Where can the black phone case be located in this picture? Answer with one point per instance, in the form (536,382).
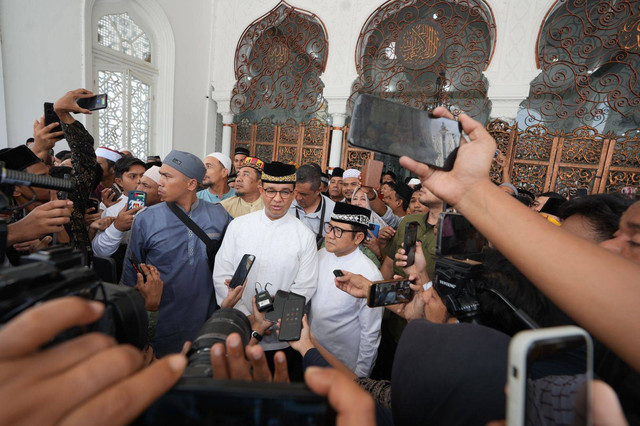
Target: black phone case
(410,236)
(291,324)
(50,116)
(238,277)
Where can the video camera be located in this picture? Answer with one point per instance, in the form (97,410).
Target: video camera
(458,277)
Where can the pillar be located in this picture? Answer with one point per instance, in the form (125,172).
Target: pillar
(227,121)
(336,139)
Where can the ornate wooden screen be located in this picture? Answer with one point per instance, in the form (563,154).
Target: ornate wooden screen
(353,158)
(542,160)
(428,52)
(290,142)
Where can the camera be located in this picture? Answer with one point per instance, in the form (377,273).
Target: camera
(56,272)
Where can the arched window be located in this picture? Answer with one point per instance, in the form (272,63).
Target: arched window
(125,68)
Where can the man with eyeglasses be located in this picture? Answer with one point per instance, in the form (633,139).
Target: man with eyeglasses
(344,325)
(310,206)
(247,187)
(284,249)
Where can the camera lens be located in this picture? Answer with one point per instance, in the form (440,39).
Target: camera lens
(222,323)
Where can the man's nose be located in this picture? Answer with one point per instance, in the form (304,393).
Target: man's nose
(614,245)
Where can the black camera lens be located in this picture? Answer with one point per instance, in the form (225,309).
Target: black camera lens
(222,323)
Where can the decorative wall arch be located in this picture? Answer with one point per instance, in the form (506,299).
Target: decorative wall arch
(278,63)
(425,53)
(588,54)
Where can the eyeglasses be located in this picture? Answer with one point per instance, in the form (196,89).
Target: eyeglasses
(328,228)
(285,193)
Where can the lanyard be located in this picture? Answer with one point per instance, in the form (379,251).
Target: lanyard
(321,226)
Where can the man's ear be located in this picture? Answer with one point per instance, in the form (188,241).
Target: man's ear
(359,238)
(118,181)
(260,188)
(192,185)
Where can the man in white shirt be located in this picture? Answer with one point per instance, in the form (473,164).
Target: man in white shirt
(216,188)
(284,249)
(344,325)
(310,206)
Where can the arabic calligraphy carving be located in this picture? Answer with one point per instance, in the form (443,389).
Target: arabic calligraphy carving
(420,44)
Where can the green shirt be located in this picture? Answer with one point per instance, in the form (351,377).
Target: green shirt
(425,235)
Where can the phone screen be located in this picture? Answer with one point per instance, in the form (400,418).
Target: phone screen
(383,293)
(457,236)
(557,382)
(395,129)
(410,237)
(242,271)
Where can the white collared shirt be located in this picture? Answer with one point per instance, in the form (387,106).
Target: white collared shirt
(343,324)
(286,257)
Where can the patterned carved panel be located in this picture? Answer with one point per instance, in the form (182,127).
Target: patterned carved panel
(311,155)
(627,152)
(314,133)
(427,52)
(574,178)
(621,179)
(278,63)
(264,152)
(287,154)
(139,115)
(588,57)
(265,131)
(121,33)
(356,159)
(530,177)
(534,144)
(583,146)
(110,132)
(289,132)
(243,131)
(501,132)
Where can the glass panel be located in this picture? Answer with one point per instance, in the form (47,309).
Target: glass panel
(139,118)
(121,33)
(111,119)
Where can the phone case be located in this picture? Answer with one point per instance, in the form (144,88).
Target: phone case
(371,173)
(291,324)
(517,374)
(136,199)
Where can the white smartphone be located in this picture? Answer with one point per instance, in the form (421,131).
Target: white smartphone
(550,373)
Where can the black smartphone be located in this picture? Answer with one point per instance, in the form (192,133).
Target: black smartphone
(278,304)
(242,270)
(391,128)
(94,204)
(93,103)
(338,273)
(291,324)
(457,236)
(136,199)
(117,192)
(50,116)
(390,292)
(205,401)
(410,237)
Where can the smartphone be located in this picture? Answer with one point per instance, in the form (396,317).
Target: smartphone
(242,270)
(390,292)
(93,103)
(278,304)
(94,204)
(138,271)
(338,273)
(410,237)
(549,377)
(117,192)
(394,129)
(204,401)
(50,116)
(457,236)
(136,199)
(291,324)
(375,229)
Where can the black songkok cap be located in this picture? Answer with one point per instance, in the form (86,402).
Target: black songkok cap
(552,206)
(324,178)
(403,190)
(337,172)
(18,158)
(241,150)
(348,213)
(278,172)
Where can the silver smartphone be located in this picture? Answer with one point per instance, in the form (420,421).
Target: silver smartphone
(550,373)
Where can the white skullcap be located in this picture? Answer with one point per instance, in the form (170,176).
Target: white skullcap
(351,173)
(414,181)
(108,153)
(223,159)
(153,173)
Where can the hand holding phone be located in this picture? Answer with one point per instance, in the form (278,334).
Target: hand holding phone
(389,292)
(410,239)
(240,275)
(93,103)
(136,199)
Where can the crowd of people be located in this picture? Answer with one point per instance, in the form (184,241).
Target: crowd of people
(561,261)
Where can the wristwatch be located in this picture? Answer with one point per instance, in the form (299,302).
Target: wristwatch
(256,335)
(375,196)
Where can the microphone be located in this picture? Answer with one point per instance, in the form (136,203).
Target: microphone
(15,177)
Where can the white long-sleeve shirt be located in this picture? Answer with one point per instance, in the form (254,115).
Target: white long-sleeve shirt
(343,324)
(286,257)
(106,243)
